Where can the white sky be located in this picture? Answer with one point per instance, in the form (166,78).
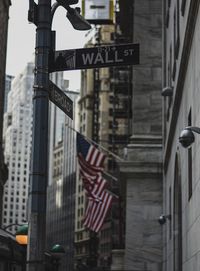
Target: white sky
(21,39)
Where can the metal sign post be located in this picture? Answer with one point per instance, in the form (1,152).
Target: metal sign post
(39,159)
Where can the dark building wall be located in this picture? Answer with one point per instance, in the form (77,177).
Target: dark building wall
(142,171)
(4,9)
(146,103)
(125,18)
(69,218)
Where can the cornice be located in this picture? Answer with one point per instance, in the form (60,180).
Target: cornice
(131,169)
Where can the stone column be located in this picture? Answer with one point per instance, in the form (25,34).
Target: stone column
(141,173)
(117,259)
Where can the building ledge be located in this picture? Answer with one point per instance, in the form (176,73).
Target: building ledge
(141,169)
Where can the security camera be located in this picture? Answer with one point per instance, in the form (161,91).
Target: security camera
(167,91)
(186,138)
(162,219)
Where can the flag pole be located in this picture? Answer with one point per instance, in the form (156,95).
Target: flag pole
(100,146)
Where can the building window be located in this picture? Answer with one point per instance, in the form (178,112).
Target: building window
(190,162)
(167,16)
(177,215)
(177,30)
(170,212)
(183,7)
(169,81)
(176,41)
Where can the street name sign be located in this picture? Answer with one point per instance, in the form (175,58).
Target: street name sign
(58,97)
(95,57)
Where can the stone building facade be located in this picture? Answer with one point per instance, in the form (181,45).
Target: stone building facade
(4,11)
(181,73)
(141,172)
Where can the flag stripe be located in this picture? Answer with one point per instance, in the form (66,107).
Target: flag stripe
(95,157)
(102,214)
(87,167)
(97,211)
(99,208)
(87,213)
(95,181)
(90,155)
(93,206)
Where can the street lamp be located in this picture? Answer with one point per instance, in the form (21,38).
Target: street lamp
(21,235)
(41,15)
(187,136)
(57,250)
(54,255)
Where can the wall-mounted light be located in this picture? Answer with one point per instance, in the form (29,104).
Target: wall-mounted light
(78,22)
(167,91)
(163,218)
(186,137)
(57,250)
(73,14)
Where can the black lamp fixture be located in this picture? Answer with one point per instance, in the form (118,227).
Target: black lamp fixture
(163,218)
(167,91)
(73,14)
(55,254)
(67,2)
(77,21)
(57,250)
(186,137)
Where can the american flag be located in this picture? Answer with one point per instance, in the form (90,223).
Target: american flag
(97,210)
(91,167)
(89,152)
(93,186)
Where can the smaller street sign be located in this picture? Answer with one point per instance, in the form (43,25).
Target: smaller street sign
(95,57)
(58,97)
